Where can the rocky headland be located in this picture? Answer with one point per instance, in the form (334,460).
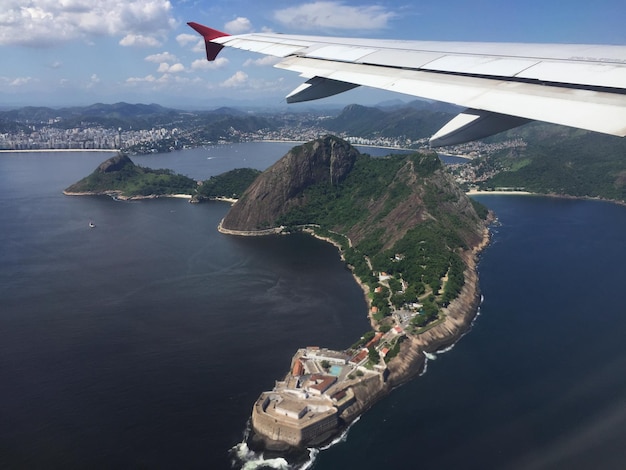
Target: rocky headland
(388,217)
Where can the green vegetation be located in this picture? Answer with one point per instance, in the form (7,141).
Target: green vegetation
(424,253)
(230,184)
(395,349)
(560,160)
(121,174)
(373,356)
(363,340)
(371,179)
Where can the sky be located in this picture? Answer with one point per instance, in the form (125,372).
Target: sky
(80,52)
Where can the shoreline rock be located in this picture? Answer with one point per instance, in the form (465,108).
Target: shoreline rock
(410,361)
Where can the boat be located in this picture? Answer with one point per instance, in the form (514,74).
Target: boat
(92,225)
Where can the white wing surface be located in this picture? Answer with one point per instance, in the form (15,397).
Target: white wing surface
(502,85)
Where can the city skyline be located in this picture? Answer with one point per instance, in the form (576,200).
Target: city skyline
(75,53)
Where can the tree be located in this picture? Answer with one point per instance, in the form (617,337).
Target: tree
(325,364)
(373,355)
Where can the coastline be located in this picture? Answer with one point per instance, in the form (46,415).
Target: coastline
(410,361)
(118,196)
(475,192)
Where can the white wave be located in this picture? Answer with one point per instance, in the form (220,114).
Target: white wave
(451,347)
(312,456)
(430,356)
(247,459)
(425,367)
(252,460)
(343,437)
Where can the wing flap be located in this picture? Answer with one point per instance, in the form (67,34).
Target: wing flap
(488,66)
(598,75)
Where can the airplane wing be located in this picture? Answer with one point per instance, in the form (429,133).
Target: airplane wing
(502,85)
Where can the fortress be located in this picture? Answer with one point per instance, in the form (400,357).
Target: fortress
(307,407)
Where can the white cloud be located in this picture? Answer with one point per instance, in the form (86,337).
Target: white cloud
(238,79)
(139,40)
(334,15)
(43,23)
(177,68)
(21,81)
(164,67)
(239,25)
(263,61)
(162,57)
(203,64)
(199,47)
(146,79)
(93,81)
(184,39)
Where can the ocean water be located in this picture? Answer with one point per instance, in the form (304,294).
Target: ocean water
(143,342)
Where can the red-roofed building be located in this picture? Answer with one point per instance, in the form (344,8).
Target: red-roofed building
(359,357)
(298,368)
(319,383)
(374,340)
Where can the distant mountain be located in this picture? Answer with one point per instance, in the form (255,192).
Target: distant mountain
(559,160)
(413,122)
(121,114)
(224,110)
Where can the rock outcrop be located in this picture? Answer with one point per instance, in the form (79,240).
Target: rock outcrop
(116,163)
(277,190)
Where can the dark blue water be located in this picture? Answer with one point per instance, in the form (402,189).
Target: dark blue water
(540,381)
(144,342)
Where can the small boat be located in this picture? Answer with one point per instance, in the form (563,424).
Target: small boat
(92,225)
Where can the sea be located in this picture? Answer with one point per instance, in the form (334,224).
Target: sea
(142,342)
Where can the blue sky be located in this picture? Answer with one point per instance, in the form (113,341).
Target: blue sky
(79,52)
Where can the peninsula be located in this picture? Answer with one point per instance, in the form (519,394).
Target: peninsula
(408,232)
(411,237)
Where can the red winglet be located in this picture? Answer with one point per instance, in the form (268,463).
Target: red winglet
(212,49)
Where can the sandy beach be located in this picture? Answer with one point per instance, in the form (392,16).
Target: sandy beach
(474,192)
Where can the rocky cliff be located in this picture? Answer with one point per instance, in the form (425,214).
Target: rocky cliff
(329,183)
(279,188)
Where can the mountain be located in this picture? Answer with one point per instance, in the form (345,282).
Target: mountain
(401,214)
(559,160)
(361,194)
(279,188)
(415,121)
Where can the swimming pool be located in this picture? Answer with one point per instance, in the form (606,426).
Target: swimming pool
(335,370)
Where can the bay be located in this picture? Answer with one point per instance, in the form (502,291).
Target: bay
(144,341)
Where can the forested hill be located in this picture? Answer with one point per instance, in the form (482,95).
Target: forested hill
(403,213)
(561,160)
(120,175)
